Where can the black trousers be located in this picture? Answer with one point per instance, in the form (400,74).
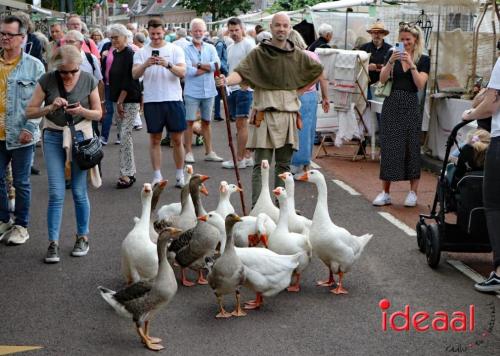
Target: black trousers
(491,197)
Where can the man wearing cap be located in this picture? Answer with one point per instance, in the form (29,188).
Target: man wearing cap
(378,49)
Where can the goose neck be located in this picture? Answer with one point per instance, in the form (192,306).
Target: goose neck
(146,209)
(290,191)
(321,210)
(283,217)
(195,196)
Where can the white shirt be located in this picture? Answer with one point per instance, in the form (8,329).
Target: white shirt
(160,84)
(182,42)
(495,84)
(236,52)
(87,67)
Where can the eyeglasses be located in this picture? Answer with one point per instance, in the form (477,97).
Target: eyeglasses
(71,41)
(409,27)
(10,35)
(407,24)
(113,38)
(72,72)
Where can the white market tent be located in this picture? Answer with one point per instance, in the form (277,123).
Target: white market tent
(331,5)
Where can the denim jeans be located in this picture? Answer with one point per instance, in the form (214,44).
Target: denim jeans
(308,110)
(55,158)
(491,197)
(20,159)
(108,118)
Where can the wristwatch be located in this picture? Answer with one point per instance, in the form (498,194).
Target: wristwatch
(169,65)
(198,65)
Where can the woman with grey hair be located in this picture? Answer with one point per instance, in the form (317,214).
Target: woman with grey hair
(301,159)
(80,102)
(97,36)
(125,93)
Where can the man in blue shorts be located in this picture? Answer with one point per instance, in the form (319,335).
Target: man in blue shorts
(162,64)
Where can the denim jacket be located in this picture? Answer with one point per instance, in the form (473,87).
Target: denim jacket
(20,87)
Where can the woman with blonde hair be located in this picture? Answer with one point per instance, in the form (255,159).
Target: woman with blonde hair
(301,159)
(401,120)
(80,100)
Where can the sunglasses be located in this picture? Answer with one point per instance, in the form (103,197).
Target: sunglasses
(10,35)
(65,72)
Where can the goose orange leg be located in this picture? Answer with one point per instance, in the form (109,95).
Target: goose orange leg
(254,304)
(238,311)
(339,289)
(152,339)
(328,283)
(201,278)
(184,280)
(296,286)
(147,342)
(222,312)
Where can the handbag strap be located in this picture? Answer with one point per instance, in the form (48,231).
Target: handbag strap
(64,94)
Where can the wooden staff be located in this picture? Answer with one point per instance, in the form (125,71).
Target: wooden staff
(223,95)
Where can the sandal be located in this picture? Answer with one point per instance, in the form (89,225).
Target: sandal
(123,184)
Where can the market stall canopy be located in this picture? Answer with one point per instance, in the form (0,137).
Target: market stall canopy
(331,5)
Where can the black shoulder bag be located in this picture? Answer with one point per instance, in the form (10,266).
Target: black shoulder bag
(87,153)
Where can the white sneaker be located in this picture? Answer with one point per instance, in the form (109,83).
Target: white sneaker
(212,156)
(230,164)
(5,228)
(249,162)
(411,199)
(382,199)
(18,235)
(179,182)
(189,158)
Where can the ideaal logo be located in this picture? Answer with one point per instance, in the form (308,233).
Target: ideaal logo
(423,321)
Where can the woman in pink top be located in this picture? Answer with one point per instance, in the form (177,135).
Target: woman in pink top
(301,159)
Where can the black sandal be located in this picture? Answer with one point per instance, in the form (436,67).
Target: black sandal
(123,184)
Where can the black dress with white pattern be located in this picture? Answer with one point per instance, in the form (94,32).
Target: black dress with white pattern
(400,126)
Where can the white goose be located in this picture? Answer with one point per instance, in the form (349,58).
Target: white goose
(264,203)
(139,255)
(253,230)
(224,207)
(266,272)
(173,209)
(284,242)
(334,245)
(296,223)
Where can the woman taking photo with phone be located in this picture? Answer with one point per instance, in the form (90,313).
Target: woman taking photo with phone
(81,101)
(401,120)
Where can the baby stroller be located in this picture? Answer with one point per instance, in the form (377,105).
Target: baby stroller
(460,191)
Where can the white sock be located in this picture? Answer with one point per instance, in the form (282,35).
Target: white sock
(157,175)
(179,173)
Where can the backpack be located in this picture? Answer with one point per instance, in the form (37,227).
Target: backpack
(90,59)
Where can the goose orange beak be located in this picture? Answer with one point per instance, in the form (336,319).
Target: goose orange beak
(204,178)
(147,188)
(276,191)
(163,183)
(238,189)
(282,176)
(264,240)
(304,177)
(204,190)
(189,169)
(203,218)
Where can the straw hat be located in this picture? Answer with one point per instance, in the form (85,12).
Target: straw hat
(378,26)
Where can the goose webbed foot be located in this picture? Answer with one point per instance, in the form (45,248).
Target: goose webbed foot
(201,278)
(296,286)
(184,280)
(152,339)
(223,314)
(328,283)
(339,289)
(147,341)
(254,304)
(238,311)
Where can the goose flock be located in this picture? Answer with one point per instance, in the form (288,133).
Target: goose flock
(266,252)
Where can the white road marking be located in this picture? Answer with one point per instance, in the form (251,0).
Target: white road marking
(398,223)
(314,165)
(345,186)
(469,272)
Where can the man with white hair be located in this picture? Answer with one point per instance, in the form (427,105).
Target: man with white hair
(181,40)
(199,89)
(275,120)
(325,32)
(75,23)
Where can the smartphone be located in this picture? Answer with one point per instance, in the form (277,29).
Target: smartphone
(155,53)
(398,47)
(72,105)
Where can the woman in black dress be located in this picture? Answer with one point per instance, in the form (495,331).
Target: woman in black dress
(401,120)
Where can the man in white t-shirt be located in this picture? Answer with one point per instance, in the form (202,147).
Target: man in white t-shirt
(240,98)
(162,64)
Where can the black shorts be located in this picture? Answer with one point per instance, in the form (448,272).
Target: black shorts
(169,114)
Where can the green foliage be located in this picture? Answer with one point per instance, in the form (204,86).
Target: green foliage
(290,5)
(218,8)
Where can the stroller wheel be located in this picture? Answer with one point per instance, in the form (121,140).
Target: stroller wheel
(422,231)
(433,246)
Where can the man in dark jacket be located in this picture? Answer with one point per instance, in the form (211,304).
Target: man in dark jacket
(378,49)
(325,32)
